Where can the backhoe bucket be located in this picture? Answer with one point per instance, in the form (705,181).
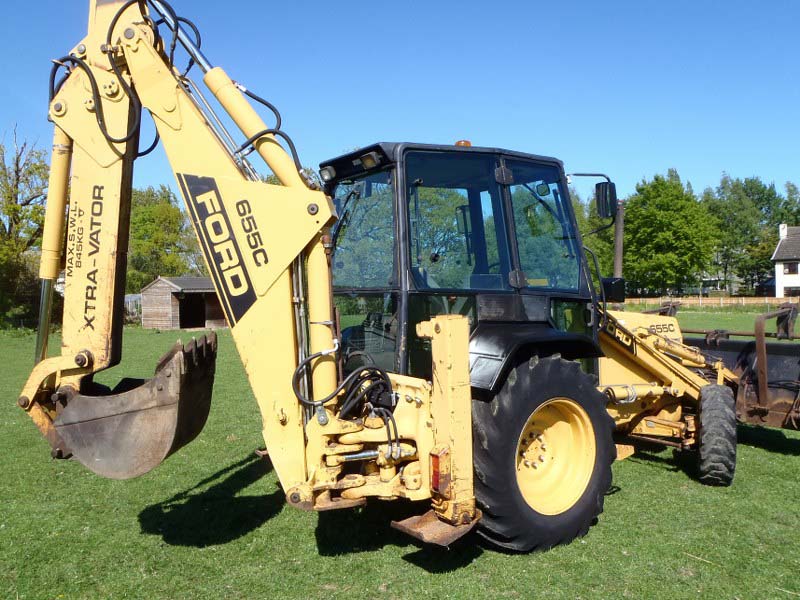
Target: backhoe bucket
(128,431)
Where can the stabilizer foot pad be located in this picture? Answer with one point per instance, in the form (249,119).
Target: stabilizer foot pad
(624,451)
(430,529)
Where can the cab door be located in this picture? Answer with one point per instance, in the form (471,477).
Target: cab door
(457,241)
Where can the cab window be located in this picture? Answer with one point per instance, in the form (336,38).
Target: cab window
(455,215)
(364,255)
(546,240)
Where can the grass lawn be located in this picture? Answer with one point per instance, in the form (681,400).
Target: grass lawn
(211,522)
(731,318)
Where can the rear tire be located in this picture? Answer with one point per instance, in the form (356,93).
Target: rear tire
(543,450)
(717,436)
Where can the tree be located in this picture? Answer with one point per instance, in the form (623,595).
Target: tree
(580,209)
(308,173)
(736,218)
(601,242)
(791,207)
(23,188)
(162,242)
(668,236)
(755,265)
(747,213)
(766,199)
(364,240)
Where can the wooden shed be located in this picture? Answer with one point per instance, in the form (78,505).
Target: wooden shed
(181,303)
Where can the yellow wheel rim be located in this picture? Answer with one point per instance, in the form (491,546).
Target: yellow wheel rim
(555,456)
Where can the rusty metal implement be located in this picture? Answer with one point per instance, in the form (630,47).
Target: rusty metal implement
(142,422)
(769,372)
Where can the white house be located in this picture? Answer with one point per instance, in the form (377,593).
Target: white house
(787,262)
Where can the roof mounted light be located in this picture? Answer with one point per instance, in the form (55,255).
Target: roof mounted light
(464,143)
(327,173)
(370,160)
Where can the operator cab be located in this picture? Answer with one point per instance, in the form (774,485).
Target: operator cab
(425,230)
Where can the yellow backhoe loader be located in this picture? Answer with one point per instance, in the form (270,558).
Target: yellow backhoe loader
(422,327)
(690,393)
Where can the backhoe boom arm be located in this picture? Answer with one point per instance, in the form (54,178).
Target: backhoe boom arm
(267,249)
(255,237)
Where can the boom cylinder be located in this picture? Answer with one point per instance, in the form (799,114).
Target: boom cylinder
(247,119)
(320,316)
(320,310)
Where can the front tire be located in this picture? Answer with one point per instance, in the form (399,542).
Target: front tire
(543,451)
(716,448)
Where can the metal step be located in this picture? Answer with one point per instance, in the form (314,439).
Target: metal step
(430,529)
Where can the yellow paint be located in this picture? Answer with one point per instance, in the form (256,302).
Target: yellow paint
(648,374)
(555,456)
(101,174)
(451,411)
(247,119)
(428,416)
(58,183)
(633,321)
(292,221)
(265,336)
(320,317)
(624,451)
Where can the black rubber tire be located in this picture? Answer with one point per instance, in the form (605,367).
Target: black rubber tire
(716,447)
(508,520)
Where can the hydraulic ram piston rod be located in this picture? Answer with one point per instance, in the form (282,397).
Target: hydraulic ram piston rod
(53,234)
(183,38)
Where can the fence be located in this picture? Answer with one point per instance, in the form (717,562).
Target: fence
(744,301)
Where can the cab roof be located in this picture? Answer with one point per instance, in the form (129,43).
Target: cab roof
(349,164)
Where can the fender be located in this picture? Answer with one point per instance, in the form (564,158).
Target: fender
(493,347)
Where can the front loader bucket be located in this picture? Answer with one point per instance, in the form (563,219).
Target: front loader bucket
(779,405)
(132,430)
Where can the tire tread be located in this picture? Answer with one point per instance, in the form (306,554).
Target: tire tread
(502,524)
(717,436)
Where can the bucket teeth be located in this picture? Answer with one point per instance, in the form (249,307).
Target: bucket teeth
(197,353)
(128,431)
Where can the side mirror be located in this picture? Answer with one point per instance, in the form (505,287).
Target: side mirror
(605,194)
(613,288)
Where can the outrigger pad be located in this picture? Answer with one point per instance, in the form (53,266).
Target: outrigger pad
(131,431)
(430,529)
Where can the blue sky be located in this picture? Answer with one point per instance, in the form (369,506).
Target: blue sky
(630,88)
